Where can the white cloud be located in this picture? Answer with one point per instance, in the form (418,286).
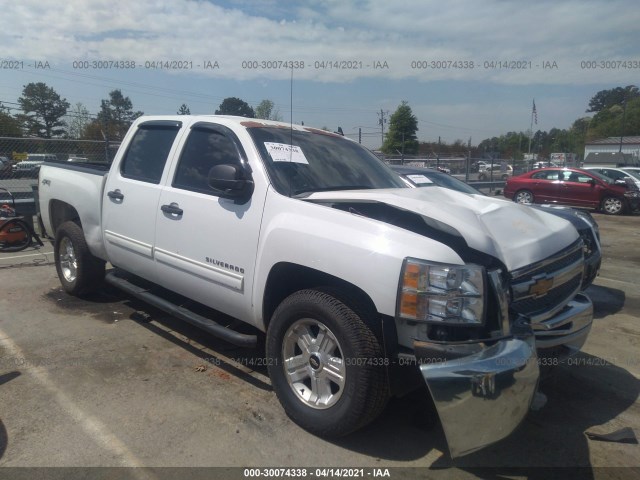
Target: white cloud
(565,32)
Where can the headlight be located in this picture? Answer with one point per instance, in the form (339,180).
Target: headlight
(586,217)
(589,220)
(442,294)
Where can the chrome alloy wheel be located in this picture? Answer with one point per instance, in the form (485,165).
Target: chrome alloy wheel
(314,364)
(612,205)
(68,261)
(525,197)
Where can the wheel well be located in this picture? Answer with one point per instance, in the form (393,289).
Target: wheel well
(61,212)
(287,278)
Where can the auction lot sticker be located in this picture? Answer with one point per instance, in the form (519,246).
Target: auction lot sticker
(281,152)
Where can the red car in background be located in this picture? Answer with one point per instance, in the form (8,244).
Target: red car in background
(575,187)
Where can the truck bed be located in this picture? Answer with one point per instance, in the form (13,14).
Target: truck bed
(78,196)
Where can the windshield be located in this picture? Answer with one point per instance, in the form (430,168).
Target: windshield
(319,162)
(600,176)
(440,180)
(447,181)
(633,173)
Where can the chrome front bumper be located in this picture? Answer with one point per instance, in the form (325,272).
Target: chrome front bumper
(568,328)
(483,397)
(483,390)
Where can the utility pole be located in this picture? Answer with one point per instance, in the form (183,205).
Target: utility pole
(359,135)
(466,177)
(381,121)
(624,114)
(438,155)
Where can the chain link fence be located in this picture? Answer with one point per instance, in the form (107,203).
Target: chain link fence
(20,159)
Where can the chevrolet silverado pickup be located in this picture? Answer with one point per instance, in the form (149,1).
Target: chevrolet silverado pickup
(352,276)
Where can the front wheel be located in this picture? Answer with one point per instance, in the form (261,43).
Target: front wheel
(524,196)
(326,366)
(612,206)
(79,271)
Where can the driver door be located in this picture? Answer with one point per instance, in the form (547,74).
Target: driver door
(206,245)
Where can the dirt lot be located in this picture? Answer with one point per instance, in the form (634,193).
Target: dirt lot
(108,382)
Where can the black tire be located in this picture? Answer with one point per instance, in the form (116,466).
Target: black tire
(364,391)
(524,197)
(16,224)
(612,205)
(78,270)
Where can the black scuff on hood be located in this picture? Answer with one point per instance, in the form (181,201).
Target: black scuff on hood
(416,223)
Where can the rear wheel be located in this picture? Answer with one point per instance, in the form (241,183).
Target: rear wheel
(523,196)
(326,366)
(612,206)
(79,271)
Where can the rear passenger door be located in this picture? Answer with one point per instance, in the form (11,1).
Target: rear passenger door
(546,186)
(206,245)
(131,197)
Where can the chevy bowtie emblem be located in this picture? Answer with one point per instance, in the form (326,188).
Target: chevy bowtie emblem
(541,287)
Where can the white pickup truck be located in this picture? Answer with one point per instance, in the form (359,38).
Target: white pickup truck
(354,277)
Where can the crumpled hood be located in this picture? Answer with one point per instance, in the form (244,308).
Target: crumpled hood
(515,234)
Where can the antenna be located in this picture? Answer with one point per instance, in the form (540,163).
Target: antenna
(291,116)
(290,133)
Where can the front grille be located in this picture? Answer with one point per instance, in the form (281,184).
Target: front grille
(540,290)
(554,263)
(534,307)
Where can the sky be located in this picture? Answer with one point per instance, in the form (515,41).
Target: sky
(468,69)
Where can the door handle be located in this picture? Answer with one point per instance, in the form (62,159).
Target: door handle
(171,209)
(115,194)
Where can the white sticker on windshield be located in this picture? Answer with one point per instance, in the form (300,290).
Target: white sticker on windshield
(281,152)
(419,179)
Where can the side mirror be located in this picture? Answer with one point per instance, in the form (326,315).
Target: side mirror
(231,181)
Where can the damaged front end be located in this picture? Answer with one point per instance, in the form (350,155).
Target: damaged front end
(477,334)
(481,398)
(481,369)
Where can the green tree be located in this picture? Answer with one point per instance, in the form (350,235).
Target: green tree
(266,111)
(78,119)
(184,110)
(579,130)
(9,125)
(401,137)
(116,115)
(609,122)
(235,106)
(43,110)
(608,98)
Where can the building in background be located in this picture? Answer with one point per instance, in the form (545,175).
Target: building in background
(611,151)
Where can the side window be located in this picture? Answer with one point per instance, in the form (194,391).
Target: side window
(547,175)
(203,150)
(539,176)
(613,174)
(576,177)
(147,153)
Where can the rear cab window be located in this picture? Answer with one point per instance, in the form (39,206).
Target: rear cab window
(148,151)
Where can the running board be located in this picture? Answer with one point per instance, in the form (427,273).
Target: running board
(206,324)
